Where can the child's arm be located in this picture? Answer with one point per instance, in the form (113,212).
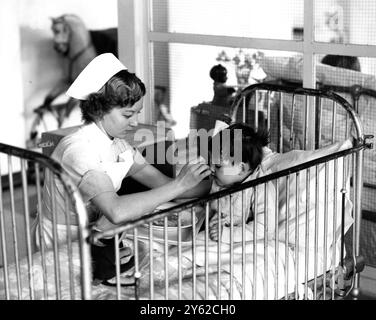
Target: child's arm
(214,229)
(260,208)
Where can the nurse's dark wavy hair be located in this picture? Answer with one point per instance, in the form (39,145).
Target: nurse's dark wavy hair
(122,90)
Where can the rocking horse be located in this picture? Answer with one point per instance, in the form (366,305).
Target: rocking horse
(79,46)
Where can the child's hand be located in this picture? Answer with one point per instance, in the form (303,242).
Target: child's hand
(213,227)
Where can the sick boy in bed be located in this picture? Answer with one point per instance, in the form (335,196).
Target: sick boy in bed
(230,169)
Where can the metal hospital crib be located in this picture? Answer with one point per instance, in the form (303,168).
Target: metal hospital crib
(292,246)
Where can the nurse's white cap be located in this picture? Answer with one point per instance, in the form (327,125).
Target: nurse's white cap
(95,75)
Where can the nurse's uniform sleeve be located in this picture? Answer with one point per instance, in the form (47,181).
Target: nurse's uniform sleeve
(84,167)
(94,183)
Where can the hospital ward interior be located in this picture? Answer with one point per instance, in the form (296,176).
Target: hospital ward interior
(188,150)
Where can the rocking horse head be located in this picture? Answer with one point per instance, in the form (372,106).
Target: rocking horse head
(70,35)
(72,39)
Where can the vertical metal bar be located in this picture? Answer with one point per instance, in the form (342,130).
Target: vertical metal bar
(316,233)
(280,125)
(354,173)
(326,201)
(14,226)
(69,245)
(117,266)
(297,247)
(3,241)
(306,248)
(179,258)
(287,236)
(193,254)
(151,261)
(347,125)
(319,115)
(334,118)
(27,227)
(347,162)
(255,245)
(266,230)
(292,142)
(166,256)
(268,114)
(244,220)
(55,238)
(219,248)
(276,239)
(234,110)
(356,104)
(206,249)
(231,249)
(354,185)
(334,244)
(358,183)
(41,240)
(256,109)
(305,123)
(137,273)
(244,111)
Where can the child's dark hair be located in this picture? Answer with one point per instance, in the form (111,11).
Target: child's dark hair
(252,142)
(122,89)
(218,73)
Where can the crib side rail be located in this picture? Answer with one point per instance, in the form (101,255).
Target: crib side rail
(30,270)
(273,239)
(220,194)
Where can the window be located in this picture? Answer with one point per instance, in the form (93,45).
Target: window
(237,18)
(185,37)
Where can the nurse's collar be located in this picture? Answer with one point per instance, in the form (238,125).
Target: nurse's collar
(100,126)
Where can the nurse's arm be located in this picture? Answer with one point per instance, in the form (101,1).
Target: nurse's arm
(148,175)
(118,209)
(151,177)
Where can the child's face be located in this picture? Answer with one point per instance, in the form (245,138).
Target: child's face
(227,173)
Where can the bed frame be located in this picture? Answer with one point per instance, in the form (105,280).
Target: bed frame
(359,97)
(20,276)
(182,268)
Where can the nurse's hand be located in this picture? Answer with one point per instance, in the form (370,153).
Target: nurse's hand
(193,173)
